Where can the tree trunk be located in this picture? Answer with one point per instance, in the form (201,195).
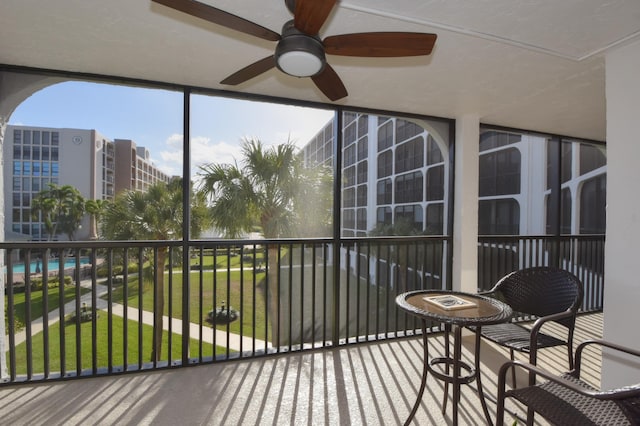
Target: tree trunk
(158,310)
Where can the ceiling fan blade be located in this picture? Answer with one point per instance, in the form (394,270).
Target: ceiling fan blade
(220,17)
(250,71)
(310,15)
(380,45)
(330,84)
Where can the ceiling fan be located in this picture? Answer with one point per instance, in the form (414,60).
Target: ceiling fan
(300,52)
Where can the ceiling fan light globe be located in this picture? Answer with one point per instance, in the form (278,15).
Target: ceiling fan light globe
(300,64)
(300,56)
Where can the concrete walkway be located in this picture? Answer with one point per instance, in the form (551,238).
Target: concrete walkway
(234,341)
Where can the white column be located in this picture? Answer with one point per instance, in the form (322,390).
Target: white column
(622,287)
(465,207)
(3,344)
(14,89)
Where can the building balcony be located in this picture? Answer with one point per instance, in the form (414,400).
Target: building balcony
(316,336)
(371,383)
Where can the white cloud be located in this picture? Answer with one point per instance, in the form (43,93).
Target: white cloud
(203,151)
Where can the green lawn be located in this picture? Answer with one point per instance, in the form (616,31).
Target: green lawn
(102,343)
(37,306)
(242,291)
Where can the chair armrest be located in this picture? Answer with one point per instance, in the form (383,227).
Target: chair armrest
(618,393)
(552,317)
(535,330)
(600,342)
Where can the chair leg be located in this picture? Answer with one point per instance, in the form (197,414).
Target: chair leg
(570,354)
(513,371)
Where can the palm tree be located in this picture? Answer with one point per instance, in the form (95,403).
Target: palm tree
(264,190)
(95,208)
(260,192)
(155,215)
(61,209)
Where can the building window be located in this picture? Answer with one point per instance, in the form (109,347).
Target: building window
(349,156)
(350,176)
(349,197)
(591,158)
(363,125)
(593,202)
(499,217)
(409,188)
(435,183)
(361,219)
(350,134)
(500,173)
(493,139)
(411,215)
(410,155)
(361,196)
(348,218)
(385,164)
(435,219)
(384,192)
(363,172)
(384,216)
(406,129)
(385,135)
(434,154)
(363,148)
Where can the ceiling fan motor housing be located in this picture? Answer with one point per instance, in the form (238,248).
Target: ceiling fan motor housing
(299,54)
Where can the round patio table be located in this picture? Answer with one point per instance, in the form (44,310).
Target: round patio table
(455,310)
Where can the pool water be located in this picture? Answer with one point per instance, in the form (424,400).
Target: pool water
(53,265)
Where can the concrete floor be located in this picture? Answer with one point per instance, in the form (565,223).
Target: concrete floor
(368,384)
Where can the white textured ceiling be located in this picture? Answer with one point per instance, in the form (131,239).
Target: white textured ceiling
(532,64)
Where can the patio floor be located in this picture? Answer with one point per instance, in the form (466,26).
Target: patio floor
(372,384)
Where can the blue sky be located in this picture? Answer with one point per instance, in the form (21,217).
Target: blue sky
(153,118)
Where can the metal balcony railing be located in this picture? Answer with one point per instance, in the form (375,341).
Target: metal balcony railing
(92,308)
(582,255)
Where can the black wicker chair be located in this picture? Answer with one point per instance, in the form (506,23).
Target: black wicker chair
(550,294)
(567,400)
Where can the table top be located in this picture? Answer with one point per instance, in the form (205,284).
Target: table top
(485,310)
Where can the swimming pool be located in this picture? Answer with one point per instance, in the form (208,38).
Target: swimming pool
(53,265)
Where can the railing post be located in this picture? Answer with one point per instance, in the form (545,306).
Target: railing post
(337,221)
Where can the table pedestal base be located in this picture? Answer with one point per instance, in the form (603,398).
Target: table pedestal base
(454,377)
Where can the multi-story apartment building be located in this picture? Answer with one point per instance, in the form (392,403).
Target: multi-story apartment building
(82,158)
(134,168)
(394,170)
(397,169)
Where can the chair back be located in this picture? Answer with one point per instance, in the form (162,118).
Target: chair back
(542,291)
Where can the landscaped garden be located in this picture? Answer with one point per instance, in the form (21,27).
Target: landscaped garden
(102,346)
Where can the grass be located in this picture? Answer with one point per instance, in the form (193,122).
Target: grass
(242,291)
(37,304)
(133,353)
